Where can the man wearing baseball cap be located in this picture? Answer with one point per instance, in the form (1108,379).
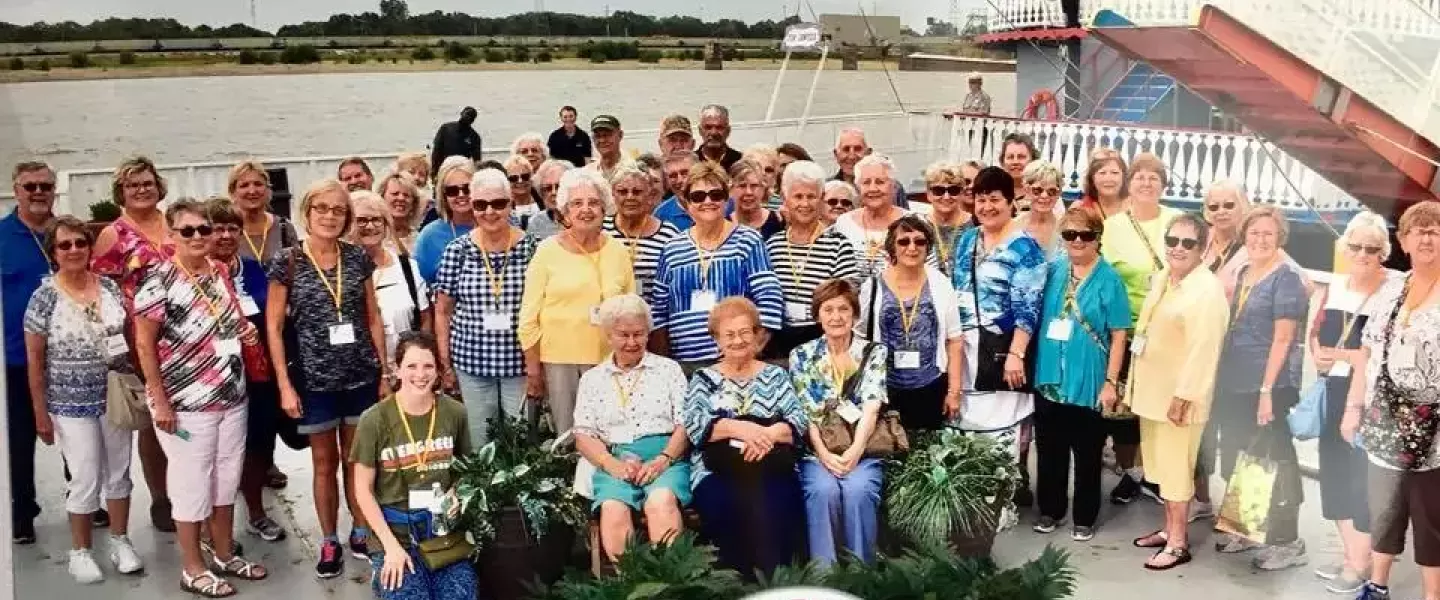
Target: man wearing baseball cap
(676,135)
(977,102)
(605,130)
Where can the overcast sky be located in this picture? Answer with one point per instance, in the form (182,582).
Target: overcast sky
(273,13)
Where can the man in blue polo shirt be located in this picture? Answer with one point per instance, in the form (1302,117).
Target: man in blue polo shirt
(22,266)
(677,172)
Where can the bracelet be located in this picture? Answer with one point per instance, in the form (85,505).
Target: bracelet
(1019,355)
(668,458)
(1113,381)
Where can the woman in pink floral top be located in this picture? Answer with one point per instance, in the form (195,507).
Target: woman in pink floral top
(124,250)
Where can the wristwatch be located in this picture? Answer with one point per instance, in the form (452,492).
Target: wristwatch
(1264,389)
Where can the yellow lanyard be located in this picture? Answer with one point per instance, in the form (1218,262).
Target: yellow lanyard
(839,373)
(496,277)
(631,243)
(626,393)
(264,238)
(338,291)
(797,268)
(1150,316)
(1149,246)
(200,289)
(704,257)
(942,251)
(908,320)
(1071,289)
(594,258)
(422,451)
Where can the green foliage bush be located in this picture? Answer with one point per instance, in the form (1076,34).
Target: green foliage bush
(127,58)
(302,54)
(520,54)
(544,56)
(357,59)
(422,53)
(269,58)
(248,57)
(79,60)
(651,56)
(458,52)
(17,64)
(43,65)
(496,56)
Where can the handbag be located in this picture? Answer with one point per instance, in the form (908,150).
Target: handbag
(288,427)
(1250,494)
(886,440)
(444,550)
(994,348)
(1398,429)
(125,404)
(1122,410)
(1307,419)
(252,351)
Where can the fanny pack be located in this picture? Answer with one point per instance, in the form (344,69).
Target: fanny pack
(437,552)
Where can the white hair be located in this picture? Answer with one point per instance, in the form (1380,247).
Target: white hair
(851,193)
(627,170)
(1367,220)
(528,136)
(715,110)
(876,160)
(489,179)
(848,131)
(625,306)
(456,160)
(550,164)
(582,177)
(802,172)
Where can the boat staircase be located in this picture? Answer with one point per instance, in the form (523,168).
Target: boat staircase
(1139,91)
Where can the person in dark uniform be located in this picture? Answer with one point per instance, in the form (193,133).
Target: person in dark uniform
(456,138)
(570,142)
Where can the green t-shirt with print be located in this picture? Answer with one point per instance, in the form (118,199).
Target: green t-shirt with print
(382,444)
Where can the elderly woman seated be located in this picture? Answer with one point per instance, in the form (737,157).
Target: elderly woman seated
(628,424)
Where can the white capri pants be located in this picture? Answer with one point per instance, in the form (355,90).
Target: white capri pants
(99,457)
(204,472)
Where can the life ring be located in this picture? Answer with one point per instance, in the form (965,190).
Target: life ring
(1045,99)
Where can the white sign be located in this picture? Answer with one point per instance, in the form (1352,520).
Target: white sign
(801,37)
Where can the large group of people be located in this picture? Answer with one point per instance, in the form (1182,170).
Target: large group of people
(694,316)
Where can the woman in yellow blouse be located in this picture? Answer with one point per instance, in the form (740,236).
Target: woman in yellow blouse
(569,276)
(1172,379)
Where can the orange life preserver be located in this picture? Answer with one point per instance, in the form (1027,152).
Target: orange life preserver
(1042,98)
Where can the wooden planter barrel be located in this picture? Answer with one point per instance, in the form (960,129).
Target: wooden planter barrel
(512,563)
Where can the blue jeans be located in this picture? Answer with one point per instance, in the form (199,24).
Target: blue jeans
(455,582)
(842,508)
(486,397)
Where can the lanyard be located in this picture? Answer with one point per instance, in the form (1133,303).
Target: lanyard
(1150,316)
(1408,307)
(496,277)
(422,451)
(1149,246)
(797,268)
(704,257)
(49,268)
(264,238)
(941,249)
(338,291)
(626,393)
(200,289)
(631,243)
(1071,289)
(594,258)
(839,373)
(908,320)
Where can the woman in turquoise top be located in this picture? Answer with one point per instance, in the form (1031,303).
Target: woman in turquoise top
(457,216)
(1085,318)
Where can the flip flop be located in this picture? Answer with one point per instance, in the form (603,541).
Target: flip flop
(1142,541)
(1180,554)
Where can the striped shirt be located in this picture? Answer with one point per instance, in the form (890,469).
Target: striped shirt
(738,267)
(802,268)
(644,251)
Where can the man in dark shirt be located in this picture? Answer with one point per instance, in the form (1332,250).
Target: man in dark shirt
(850,147)
(715,127)
(456,138)
(570,142)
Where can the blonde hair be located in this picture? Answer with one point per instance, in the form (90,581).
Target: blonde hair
(1225,186)
(463,166)
(942,170)
(372,200)
(321,187)
(1369,220)
(729,308)
(1146,162)
(130,168)
(1282,226)
(243,168)
(1420,214)
(765,151)
(402,178)
(515,160)
(413,159)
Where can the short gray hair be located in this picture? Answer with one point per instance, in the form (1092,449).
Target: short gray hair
(627,170)
(1372,221)
(624,306)
(1042,170)
(529,136)
(489,179)
(550,164)
(582,177)
(802,172)
(851,193)
(876,160)
(715,110)
(851,131)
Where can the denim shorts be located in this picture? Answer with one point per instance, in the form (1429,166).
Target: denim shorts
(325,411)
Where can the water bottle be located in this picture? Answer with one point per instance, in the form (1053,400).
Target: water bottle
(439,503)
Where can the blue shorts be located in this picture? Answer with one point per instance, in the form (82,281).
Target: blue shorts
(676,478)
(325,411)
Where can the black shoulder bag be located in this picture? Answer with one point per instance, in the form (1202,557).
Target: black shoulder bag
(287,427)
(993,348)
(414,294)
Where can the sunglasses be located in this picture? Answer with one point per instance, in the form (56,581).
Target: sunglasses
(496,205)
(918,242)
(1371,250)
(840,203)
(521,178)
(369,221)
(1071,235)
(716,195)
(1046,192)
(1226,205)
(190,231)
(455,191)
(78,244)
(947,190)
(1186,243)
(38,186)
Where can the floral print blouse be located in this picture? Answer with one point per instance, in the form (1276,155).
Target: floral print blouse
(128,259)
(1008,283)
(814,378)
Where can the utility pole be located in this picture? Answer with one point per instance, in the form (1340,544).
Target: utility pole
(607,20)
(254,22)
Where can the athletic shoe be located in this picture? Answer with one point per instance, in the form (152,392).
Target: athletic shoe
(1082,533)
(1370,591)
(1282,556)
(124,557)
(1151,491)
(1126,491)
(24,533)
(100,519)
(1045,525)
(266,529)
(331,564)
(358,549)
(84,568)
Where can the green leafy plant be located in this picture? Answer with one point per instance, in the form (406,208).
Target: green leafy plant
(423,53)
(127,58)
(104,212)
(521,467)
(79,60)
(950,484)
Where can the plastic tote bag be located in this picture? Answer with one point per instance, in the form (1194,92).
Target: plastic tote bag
(1307,419)
(1250,494)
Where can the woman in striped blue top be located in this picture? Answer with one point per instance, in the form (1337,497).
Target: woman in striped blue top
(715,259)
(634,223)
(804,256)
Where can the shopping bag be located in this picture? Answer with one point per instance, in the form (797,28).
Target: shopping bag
(1248,496)
(1307,419)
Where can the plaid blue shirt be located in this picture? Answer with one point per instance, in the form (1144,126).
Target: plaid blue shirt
(464,278)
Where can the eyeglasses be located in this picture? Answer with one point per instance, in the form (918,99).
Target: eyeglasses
(369,221)
(700,196)
(548,188)
(918,242)
(1226,205)
(947,190)
(139,185)
(1371,250)
(521,178)
(37,186)
(455,191)
(1186,243)
(496,205)
(1044,191)
(743,335)
(78,244)
(839,203)
(1071,235)
(629,192)
(335,210)
(189,231)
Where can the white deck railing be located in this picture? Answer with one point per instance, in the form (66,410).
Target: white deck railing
(1006,15)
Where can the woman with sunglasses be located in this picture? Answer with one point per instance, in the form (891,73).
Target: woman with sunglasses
(546,182)
(1225,205)
(124,250)
(74,335)
(750,192)
(1134,243)
(1259,380)
(568,278)
(635,223)
(457,216)
(1334,340)
(947,190)
(1086,318)
(866,228)
(402,296)
(478,291)
(189,330)
(911,308)
(325,289)
(804,256)
(839,199)
(524,205)
(265,233)
(713,260)
(1177,344)
(1104,185)
(1043,186)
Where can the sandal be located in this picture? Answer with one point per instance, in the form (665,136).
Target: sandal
(237,566)
(1149,541)
(209,590)
(1180,554)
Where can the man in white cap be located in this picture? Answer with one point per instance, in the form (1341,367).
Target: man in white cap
(977,102)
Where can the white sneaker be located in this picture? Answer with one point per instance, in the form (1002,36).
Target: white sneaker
(84,568)
(123,554)
(1200,511)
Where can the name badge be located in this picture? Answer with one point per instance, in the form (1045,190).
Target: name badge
(248,307)
(341,334)
(1137,346)
(737,444)
(421,498)
(225,347)
(1340,369)
(496,322)
(595,316)
(1059,329)
(389,329)
(702,300)
(115,346)
(1402,356)
(797,312)
(907,359)
(849,412)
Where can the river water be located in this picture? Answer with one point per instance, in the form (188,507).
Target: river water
(95,124)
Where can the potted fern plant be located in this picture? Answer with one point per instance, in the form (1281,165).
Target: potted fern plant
(518,504)
(951,490)
(101,214)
